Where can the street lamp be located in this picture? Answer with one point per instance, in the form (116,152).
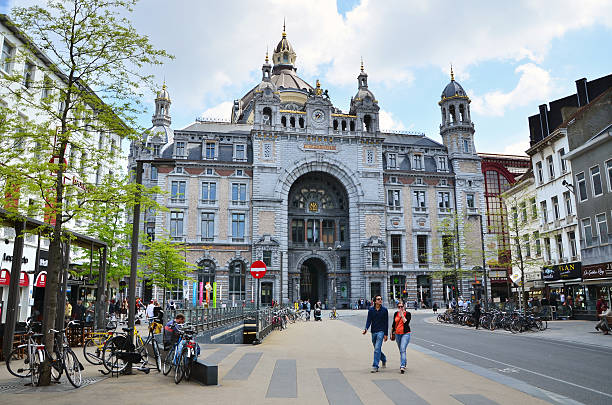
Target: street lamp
(333,251)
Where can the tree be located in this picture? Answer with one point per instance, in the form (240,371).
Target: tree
(89,46)
(457,249)
(163,263)
(522,227)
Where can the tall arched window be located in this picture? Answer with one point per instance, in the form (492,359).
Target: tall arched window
(206,272)
(237,280)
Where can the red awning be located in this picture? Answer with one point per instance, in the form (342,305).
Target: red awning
(24,280)
(41,279)
(5,277)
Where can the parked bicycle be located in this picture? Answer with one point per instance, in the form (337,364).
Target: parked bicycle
(182,355)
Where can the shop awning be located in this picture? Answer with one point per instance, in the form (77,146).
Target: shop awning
(597,281)
(41,279)
(5,277)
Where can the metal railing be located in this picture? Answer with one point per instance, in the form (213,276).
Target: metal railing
(209,318)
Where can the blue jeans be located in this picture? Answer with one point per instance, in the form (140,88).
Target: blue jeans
(402,342)
(377,341)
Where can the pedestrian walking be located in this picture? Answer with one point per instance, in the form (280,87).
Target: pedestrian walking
(400,332)
(435,308)
(378,320)
(68,311)
(477,313)
(416,305)
(308,310)
(149,312)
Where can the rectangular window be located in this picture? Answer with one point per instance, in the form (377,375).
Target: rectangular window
(562,161)
(555,204)
(342,228)
(551,167)
(238,227)
(176,224)
(28,74)
(392,160)
(587,231)
(596,181)
(539,172)
(523,207)
(329,231)
(448,250)
(571,236)
(210,150)
(240,152)
(154,173)
(609,171)
(417,162)
(313,230)
(267,150)
(156,149)
(393,199)
(267,258)
(46,89)
(547,248)
(180,149)
(538,246)
(470,201)
(444,201)
(526,245)
(297,231)
(343,263)
(239,193)
(534,208)
(559,240)
(602,228)
(396,249)
(442,164)
(544,211)
(209,192)
(7,55)
(375,260)
(419,201)
(568,203)
(178,191)
(370,156)
(208,226)
(581,183)
(466,145)
(422,249)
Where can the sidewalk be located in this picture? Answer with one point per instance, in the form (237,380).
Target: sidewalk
(309,363)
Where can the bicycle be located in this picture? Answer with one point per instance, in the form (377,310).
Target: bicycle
(174,352)
(118,351)
(185,356)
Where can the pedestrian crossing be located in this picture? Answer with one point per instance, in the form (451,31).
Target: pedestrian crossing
(338,390)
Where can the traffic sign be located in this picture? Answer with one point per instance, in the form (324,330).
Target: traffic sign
(258,269)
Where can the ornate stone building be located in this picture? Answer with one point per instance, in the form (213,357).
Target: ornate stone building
(338,209)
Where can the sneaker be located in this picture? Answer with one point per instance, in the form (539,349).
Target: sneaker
(384,364)
(374,370)
(402,370)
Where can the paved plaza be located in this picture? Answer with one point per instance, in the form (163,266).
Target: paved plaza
(309,363)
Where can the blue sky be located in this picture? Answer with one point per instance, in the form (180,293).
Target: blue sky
(510,57)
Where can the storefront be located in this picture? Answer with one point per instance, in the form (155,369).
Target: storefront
(564,287)
(597,280)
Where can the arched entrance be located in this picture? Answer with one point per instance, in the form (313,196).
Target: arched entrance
(313,280)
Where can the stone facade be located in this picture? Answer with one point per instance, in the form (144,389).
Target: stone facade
(337,208)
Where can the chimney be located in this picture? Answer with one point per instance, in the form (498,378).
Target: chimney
(582,92)
(544,120)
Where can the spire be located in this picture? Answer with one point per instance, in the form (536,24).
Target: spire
(162,107)
(284,28)
(452,74)
(283,52)
(362,64)
(267,60)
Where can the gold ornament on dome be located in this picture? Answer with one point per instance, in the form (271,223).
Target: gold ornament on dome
(313,207)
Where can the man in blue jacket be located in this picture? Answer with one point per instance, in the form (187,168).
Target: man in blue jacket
(378,318)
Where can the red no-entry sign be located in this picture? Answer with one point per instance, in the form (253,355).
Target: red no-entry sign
(258,269)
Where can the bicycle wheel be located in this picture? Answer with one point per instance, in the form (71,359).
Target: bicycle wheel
(112,354)
(515,326)
(18,362)
(72,368)
(157,354)
(167,365)
(92,350)
(179,368)
(187,369)
(142,349)
(36,359)
(543,325)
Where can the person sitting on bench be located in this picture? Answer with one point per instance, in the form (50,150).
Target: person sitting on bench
(603,325)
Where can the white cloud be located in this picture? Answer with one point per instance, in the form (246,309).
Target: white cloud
(517,148)
(389,122)
(535,84)
(220,111)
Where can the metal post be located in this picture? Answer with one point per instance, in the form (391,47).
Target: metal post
(134,257)
(484,266)
(280,298)
(101,304)
(257,292)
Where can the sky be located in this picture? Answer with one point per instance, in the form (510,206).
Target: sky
(510,57)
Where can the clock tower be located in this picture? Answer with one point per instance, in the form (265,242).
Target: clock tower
(318,111)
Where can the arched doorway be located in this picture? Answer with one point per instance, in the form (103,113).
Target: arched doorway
(313,280)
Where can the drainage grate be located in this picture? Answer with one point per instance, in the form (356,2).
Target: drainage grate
(19,387)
